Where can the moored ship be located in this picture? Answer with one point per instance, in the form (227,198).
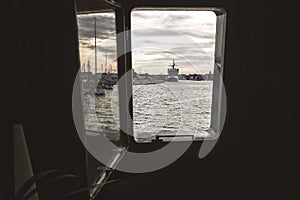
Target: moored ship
(173,73)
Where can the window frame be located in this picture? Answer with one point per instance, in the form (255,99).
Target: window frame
(123,11)
(218,107)
(104,171)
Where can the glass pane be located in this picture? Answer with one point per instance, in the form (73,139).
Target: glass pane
(97,40)
(173,63)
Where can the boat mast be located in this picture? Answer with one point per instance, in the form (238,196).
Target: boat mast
(95,47)
(105,59)
(96,82)
(173,65)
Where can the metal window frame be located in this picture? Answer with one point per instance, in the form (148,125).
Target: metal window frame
(218,108)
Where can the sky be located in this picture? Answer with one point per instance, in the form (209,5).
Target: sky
(157,38)
(105,40)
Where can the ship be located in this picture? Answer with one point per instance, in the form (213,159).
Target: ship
(173,73)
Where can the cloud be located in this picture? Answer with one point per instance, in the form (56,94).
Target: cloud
(165,36)
(156,39)
(135,14)
(105,28)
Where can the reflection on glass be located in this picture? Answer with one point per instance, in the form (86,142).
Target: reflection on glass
(97,40)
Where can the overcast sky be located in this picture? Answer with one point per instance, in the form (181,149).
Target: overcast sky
(106,39)
(157,38)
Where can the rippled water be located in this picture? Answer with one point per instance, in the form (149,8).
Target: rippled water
(182,107)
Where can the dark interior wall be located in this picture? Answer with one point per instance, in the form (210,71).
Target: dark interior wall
(40,87)
(255,155)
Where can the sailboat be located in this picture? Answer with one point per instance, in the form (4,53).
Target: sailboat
(108,86)
(108,82)
(99,88)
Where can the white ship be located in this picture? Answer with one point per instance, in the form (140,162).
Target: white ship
(173,73)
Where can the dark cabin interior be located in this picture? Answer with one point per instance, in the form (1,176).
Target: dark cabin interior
(255,155)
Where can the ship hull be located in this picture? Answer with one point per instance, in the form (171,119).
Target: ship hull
(172,79)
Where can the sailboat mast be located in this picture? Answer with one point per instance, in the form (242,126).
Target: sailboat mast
(105,59)
(95,47)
